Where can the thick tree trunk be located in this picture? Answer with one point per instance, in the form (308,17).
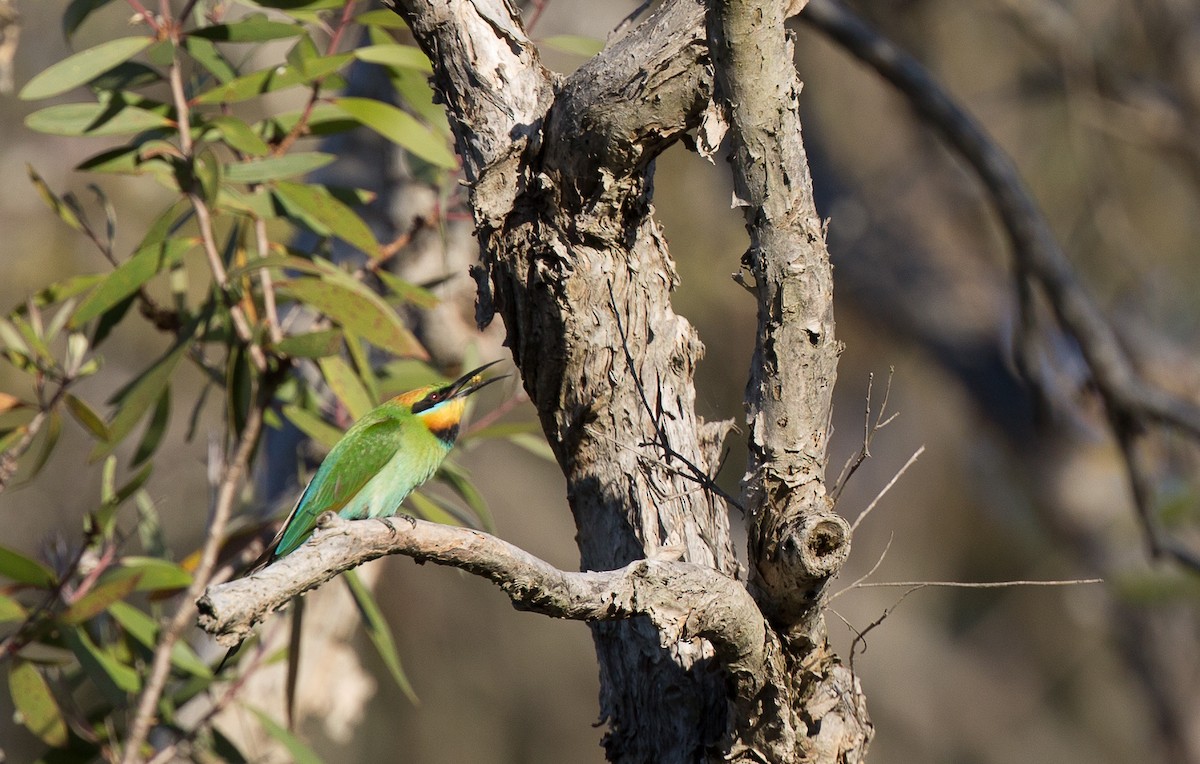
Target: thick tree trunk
(579,271)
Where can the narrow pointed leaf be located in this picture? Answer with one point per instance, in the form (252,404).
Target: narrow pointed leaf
(106,672)
(311,345)
(24,570)
(574,44)
(377,629)
(11,610)
(320,210)
(87,416)
(359,310)
(313,426)
(98,600)
(35,705)
(400,128)
(144,629)
(253,29)
(381,18)
(459,482)
(77,12)
(94,119)
(271,79)
(155,430)
(49,440)
(136,398)
(298,752)
(239,136)
(395,55)
(82,67)
(130,276)
(277,168)
(149,574)
(346,386)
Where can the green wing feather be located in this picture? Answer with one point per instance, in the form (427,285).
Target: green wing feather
(360,455)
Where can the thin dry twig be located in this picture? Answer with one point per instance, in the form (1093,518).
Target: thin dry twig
(883,492)
(1131,402)
(227,495)
(869,432)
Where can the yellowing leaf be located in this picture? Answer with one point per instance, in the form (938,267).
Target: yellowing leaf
(36,707)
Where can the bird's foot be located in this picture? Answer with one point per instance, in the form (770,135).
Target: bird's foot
(388,521)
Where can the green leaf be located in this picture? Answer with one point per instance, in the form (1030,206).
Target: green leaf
(298,752)
(362,363)
(534,445)
(358,310)
(60,208)
(273,78)
(155,430)
(459,482)
(575,44)
(277,168)
(149,526)
(427,508)
(67,288)
(295,5)
(150,573)
(381,18)
(250,29)
(313,426)
(35,705)
(136,398)
(311,345)
(239,136)
(25,570)
(318,209)
(49,440)
(401,128)
(11,610)
(94,119)
(106,672)
(208,55)
(98,600)
(82,67)
(346,385)
(130,75)
(144,629)
(378,631)
(396,56)
(324,119)
(130,276)
(406,292)
(77,12)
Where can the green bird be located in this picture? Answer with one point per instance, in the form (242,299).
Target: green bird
(392,450)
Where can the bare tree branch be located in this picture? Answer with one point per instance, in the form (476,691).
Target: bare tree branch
(683,600)
(227,495)
(797,543)
(1131,402)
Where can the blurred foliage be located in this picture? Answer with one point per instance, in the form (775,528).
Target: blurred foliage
(180,99)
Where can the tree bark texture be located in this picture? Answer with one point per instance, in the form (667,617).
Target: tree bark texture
(576,266)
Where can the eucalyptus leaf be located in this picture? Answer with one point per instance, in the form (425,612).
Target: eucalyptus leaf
(82,67)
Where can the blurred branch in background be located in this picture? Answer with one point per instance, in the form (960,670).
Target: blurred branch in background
(1131,402)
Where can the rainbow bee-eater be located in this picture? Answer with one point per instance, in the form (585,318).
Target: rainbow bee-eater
(378,462)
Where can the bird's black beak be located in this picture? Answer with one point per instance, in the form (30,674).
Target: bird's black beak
(471,382)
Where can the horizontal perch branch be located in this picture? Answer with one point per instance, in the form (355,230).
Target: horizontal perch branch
(683,600)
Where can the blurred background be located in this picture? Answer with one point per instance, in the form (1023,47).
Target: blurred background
(1098,102)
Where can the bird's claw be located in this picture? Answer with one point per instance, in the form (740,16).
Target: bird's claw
(388,521)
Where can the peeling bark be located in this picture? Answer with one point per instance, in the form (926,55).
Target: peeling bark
(694,665)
